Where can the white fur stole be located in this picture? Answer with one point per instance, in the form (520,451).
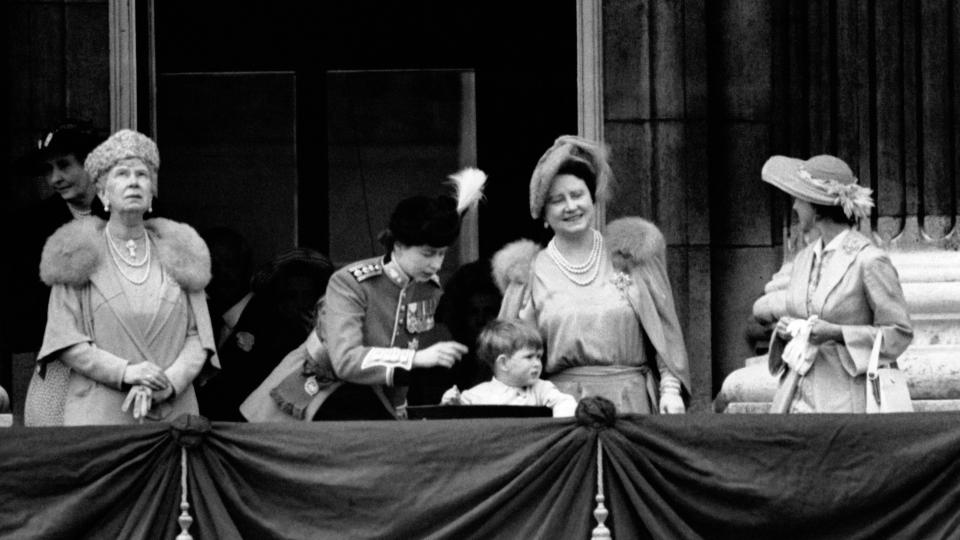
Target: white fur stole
(75,251)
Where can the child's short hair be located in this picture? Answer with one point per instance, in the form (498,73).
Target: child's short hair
(502,336)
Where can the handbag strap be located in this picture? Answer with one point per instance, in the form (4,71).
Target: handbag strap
(874,363)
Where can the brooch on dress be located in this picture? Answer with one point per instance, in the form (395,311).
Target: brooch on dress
(622,281)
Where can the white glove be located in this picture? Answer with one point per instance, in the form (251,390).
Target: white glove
(140,398)
(799,353)
(451,396)
(670,400)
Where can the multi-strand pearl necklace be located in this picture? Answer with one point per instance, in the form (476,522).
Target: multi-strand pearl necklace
(117,255)
(581,274)
(79,213)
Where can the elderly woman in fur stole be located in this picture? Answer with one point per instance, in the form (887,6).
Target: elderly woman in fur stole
(843,294)
(603,303)
(127,320)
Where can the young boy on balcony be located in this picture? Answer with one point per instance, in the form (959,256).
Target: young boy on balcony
(513,351)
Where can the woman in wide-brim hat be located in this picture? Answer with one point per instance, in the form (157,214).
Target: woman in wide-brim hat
(843,290)
(602,303)
(127,314)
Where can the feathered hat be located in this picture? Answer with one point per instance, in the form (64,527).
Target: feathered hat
(435,221)
(72,137)
(565,149)
(823,179)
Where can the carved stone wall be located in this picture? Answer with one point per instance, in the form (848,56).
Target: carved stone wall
(655,121)
(877,84)
(698,94)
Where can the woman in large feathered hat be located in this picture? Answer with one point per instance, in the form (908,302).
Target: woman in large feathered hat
(602,302)
(844,294)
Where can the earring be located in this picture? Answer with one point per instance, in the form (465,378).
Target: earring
(546,225)
(106,206)
(150,210)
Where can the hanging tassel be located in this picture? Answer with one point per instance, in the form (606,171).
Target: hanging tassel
(600,513)
(184,520)
(469,185)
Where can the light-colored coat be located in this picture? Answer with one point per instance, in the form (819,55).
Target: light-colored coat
(88,304)
(859,289)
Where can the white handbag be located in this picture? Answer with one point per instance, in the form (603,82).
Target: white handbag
(887,389)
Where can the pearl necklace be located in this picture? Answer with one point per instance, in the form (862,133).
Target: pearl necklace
(131,246)
(581,274)
(77,212)
(117,257)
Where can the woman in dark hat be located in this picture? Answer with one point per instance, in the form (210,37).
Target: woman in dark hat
(602,302)
(843,295)
(127,313)
(57,157)
(377,323)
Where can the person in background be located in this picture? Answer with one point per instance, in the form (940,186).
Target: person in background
(470,300)
(513,350)
(276,320)
(602,302)
(843,290)
(127,318)
(231,268)
(57,157)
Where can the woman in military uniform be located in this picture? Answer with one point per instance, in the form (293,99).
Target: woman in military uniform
(377,319)
(376,323)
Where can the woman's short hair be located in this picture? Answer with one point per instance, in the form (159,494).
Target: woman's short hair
(504,336)
(834,214)
(582,170)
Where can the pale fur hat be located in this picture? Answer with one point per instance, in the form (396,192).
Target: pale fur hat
(123,144)
(570,148)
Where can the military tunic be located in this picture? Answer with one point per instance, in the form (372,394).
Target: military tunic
(374,318)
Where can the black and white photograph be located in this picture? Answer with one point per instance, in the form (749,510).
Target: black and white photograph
(434,269)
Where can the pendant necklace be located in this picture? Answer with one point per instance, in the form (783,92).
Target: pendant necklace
(131,246)
(125,267)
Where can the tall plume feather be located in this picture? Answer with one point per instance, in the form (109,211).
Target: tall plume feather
(469,184)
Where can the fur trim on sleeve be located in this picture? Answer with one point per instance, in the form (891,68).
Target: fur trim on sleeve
(183,254)
(632,240)
(72,253)
(512,263)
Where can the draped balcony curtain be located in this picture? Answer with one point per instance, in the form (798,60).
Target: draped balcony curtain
(694,476)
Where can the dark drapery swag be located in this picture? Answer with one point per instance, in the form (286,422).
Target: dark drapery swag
(709,476)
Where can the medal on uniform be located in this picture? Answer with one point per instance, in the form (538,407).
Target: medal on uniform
(420,316)
(311,386)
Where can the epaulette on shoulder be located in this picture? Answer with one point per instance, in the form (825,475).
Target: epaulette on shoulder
(364,271)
